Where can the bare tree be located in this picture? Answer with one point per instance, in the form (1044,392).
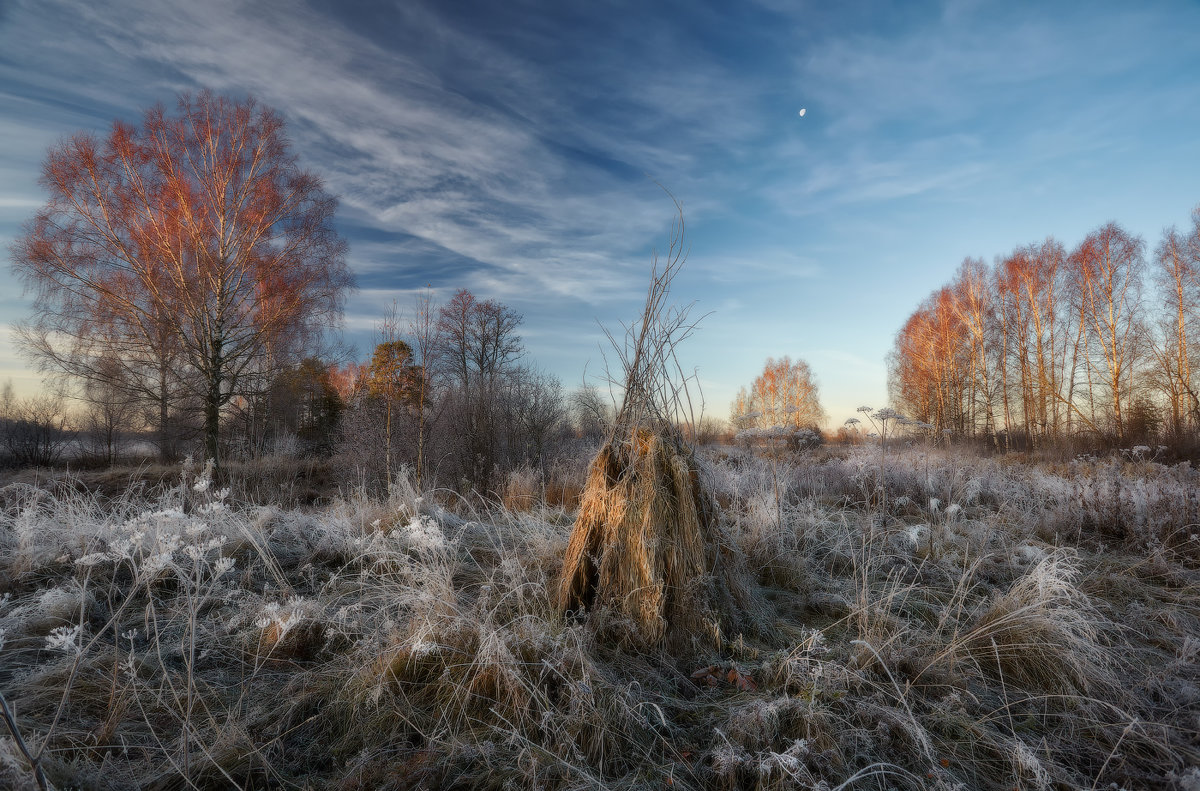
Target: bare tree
(35,431)
(1178,280)
(109,411)
(1029,281)
(196,235)
(592,413)
(534,411)
(784,395)
(425,332)
(975,307)
(1109,264)
(930,373)
(477,342)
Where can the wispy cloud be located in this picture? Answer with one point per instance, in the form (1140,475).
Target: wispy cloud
(975,59)
(495,171)
(406,152)
(514,148)
(781,267)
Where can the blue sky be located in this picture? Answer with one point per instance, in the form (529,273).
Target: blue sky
(514,149)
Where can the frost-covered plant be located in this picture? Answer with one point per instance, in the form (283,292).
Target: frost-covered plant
(1043,633)
(884,421)
(65,639)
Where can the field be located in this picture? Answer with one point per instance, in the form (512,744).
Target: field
(936,619)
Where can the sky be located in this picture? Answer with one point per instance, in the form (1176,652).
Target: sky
(521,150)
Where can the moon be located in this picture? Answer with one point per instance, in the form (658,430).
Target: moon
(803,110)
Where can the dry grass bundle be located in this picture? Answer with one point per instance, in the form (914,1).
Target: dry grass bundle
(522,490)
(647,545)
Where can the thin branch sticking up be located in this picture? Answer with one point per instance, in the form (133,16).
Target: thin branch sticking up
(656,388)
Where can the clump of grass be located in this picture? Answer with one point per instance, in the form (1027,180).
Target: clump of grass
(522,490)
(1041,634)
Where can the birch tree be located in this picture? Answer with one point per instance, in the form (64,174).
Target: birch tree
(195,233)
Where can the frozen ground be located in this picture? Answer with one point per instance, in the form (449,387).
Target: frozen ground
(940,621)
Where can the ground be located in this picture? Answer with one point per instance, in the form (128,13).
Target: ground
(1000,623)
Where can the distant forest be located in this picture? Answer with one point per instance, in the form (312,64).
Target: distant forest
(1047,345)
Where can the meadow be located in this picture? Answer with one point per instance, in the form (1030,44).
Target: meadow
(933,618)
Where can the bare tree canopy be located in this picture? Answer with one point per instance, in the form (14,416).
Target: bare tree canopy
(192,246)
(478,338)
(477,346)
(784,394)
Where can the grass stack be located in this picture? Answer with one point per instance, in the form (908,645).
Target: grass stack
(648,556)
(648,553)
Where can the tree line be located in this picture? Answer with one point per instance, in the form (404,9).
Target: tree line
(1048,344)
(447,392)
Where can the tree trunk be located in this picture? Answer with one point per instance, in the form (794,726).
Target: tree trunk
(212,405)
(212,424)
(164,448)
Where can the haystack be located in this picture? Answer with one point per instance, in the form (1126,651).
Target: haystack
(648,551)
(647,548)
